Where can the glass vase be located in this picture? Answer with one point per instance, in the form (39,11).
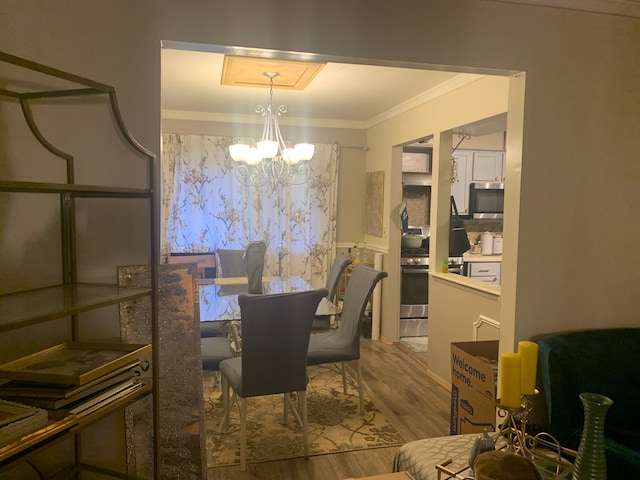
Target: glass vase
(590,462)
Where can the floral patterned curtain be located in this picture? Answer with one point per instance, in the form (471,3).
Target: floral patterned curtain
(205,207)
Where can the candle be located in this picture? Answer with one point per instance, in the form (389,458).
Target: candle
(510,372)
(529,353)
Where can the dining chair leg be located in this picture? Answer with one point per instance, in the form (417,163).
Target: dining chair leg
(243,434)
(305,427)
(295,410)
(344,377)
(226,406)
(359,373)
(285,409)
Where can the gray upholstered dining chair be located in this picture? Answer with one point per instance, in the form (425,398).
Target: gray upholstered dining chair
(254,259)
(343,344)
(338,267)
(214,351)
(231,263)
(268,367)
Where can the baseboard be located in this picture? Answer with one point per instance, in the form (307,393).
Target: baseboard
(438,380)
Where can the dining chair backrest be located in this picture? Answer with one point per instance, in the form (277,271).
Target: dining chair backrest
(275,333)
(356,296)
(337,269)
(232,262)
(254,259)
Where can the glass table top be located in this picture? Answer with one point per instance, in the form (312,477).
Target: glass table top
(219,298)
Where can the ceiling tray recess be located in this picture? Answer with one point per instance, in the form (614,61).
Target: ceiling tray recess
(242,71)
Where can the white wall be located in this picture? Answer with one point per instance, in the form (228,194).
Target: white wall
(456,311)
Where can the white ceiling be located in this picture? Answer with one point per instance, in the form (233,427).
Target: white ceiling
(341,96)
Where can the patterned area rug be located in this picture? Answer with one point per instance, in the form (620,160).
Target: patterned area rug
(335,423)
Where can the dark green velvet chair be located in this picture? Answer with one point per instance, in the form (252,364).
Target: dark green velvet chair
(601,361)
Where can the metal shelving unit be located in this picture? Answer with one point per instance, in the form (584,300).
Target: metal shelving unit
(25,82)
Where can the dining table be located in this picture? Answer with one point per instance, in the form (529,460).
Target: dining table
(218,297)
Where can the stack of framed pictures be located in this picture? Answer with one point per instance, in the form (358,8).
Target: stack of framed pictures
(17,420)
(76,377)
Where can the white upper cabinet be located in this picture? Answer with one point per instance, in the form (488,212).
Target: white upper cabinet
(488,166)
(475,166)
(460,185)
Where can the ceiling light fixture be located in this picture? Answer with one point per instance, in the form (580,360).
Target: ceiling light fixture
(271,162)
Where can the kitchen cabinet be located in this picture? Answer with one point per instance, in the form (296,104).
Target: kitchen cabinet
(485,271)
(488,166)
(475,166)
(460,184)
(62,301)
(416,159)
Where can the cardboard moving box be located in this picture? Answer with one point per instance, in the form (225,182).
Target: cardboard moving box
(474,370)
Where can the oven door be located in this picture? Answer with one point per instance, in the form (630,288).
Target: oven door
(414,291)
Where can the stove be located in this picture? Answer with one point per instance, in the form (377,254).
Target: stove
(414,289)
(417,252)
(420,257)
(414,256)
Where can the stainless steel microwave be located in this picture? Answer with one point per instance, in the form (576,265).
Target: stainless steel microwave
(486,200)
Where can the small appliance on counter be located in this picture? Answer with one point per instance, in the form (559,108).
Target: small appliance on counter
(497,245)
(486,243)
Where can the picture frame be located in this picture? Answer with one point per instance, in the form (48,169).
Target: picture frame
(73,363)
(373,223)
(11,412)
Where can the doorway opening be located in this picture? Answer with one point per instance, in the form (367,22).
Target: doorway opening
(232,116)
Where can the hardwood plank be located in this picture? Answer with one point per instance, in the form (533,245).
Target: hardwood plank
(398,384)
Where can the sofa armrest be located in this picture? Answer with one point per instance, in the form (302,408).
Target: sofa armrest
(598,361)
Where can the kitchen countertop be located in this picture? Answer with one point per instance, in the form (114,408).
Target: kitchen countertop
(478,257)
(472,283)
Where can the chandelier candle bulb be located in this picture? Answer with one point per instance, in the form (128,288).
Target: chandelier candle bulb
(529,357)
(510,373)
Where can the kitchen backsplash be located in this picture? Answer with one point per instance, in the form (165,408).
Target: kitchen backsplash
(418,208)
(475,228)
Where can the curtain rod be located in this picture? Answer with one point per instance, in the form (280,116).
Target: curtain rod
(365,148)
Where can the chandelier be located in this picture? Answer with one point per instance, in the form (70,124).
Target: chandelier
(271,162)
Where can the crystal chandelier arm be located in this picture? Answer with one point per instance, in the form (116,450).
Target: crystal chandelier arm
(281,111)
(272,163)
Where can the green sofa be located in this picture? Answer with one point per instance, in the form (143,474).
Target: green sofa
(605,361)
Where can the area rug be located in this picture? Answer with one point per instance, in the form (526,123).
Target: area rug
(335,423)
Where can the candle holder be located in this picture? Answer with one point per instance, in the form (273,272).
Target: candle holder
(514,428)
(543,448)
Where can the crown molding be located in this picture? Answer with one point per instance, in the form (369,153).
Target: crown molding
(624,8)
(454,83)
(257,120)
(450,85)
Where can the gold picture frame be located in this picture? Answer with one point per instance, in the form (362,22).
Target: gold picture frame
(11,412)
(73,363)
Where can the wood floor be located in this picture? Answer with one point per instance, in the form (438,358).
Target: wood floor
(396,381)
